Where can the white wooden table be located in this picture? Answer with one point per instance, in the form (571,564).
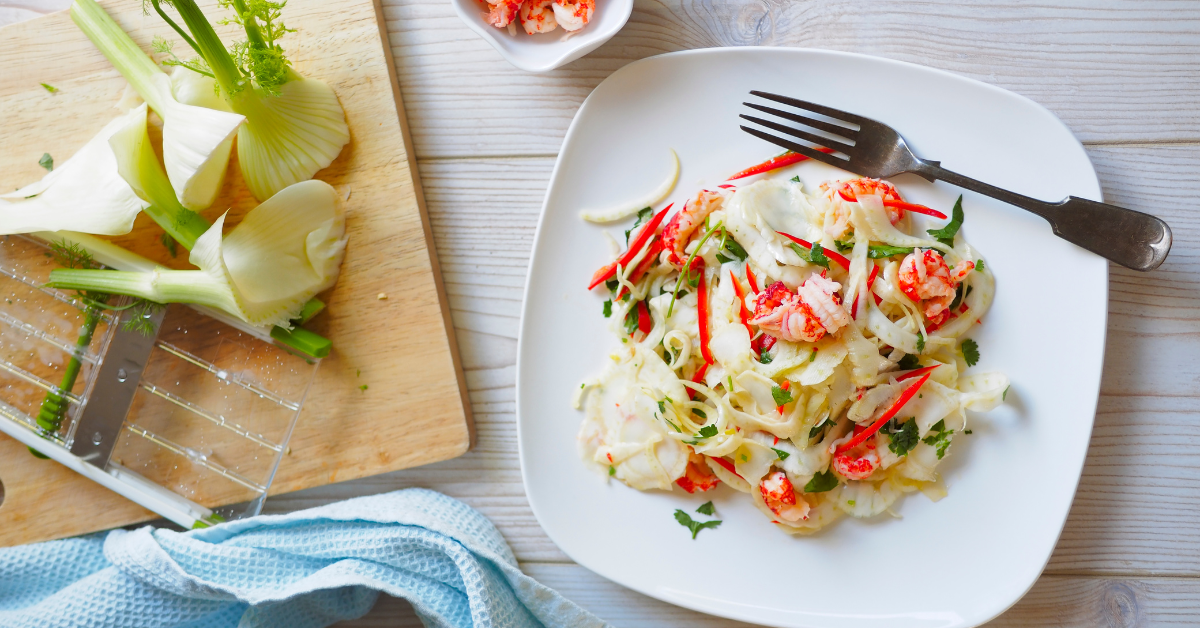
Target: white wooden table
(1123,75)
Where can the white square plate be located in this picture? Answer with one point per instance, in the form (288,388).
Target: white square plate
(958,562)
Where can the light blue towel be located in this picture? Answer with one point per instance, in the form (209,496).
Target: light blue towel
(304,570)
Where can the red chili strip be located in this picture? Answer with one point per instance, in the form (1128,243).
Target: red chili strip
(763,342)
(743,313)
(842,260)
(775,163)
(645,323)
(862,436)
(727,465)
(656,247)
(917,372)
(870,280)
(702,310)
(900,205)
(609,271)
(751,278)
(698,378)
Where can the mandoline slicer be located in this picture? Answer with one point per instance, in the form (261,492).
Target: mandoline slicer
(183,422)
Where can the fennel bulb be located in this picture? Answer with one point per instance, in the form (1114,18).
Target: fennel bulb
(294,126)
(283,253)
(196,140)
(86,192)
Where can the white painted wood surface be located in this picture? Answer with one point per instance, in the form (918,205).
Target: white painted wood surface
(1124,75)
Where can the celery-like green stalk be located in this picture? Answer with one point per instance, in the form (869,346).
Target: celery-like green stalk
(161,286)
(122,52)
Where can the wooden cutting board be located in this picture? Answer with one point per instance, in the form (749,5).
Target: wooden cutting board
(414,410)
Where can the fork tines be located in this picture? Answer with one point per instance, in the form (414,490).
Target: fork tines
(838,134)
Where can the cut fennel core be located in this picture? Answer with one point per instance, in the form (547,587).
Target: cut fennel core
(196,140)
(294,126)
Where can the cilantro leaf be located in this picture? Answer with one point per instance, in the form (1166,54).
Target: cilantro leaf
(608,308)
(735,249)
(46,162)
(642,216)
(612,470)
(662,407)
(909,362)
(781,396)
(781,453)
(941,442)
(765,357)
(920,342)
(631,320)
(612,285)
(958,297)
(794,179)
(708,431)
(979,265)
(815,256)
(970,351)
(706,509)
(821,482)
(940,426)
(50,88)
(686,521)
(881,251)
(842,247)
(946,234)
(700,413)
(904,440)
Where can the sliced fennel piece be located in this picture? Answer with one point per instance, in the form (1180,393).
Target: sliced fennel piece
(139,167)
(630,207)
(283,253)
(196,140)
(86,192)
(292,129)
(289,137)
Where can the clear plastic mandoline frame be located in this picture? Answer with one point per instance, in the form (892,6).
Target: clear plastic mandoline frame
(185,421)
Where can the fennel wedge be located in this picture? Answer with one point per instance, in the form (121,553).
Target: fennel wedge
(294,126)
(85,192)
(283,253)
(196,140)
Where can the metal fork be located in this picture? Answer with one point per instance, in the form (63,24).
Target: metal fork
(1129,238)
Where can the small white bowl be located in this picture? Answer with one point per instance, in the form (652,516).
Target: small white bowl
(544,52)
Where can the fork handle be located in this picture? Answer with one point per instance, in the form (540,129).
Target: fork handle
(1129,238)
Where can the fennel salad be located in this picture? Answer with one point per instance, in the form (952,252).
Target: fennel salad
(805,347)
(265,273)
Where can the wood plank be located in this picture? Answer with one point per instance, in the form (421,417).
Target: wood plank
(1053,602)
(1134,511)
(1113,71)
(399,346)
